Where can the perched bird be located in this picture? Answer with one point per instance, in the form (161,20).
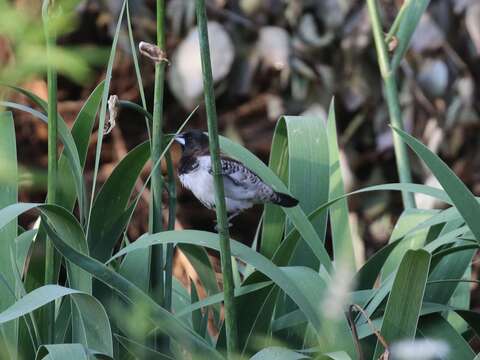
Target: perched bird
(243,188)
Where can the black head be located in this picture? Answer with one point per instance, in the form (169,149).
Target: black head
(193,141)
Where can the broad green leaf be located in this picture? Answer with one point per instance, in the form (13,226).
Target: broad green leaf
(334,333)
(135,267)
(70,149)
(462,198)
(255,321)
(273,226)
(286,247)
(452,266)
(343,250)
(411,12)
(62,352)
(112,201)
(81,130)
(295,214)
(367,275)
(306,301)
(70,352)
(140,351)
(97,334)
(338,355)
(200,261)
(217,298)
(299,156)
(93,329)
(69,229)
(165,322)
(435,327)
(413,241)
(8,195)
(278,353)
(404,303)
(22,247)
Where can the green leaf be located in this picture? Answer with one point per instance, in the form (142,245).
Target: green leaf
(68,351)
(278,353)
(200,261)
(404,303)
(135,268)
(8,195)
(299,155)
(452,266)
(63,351)
(413,241)
(305,300)
(338,355)
(97,334)
(140,351)
(70,149)
(81,130)
(217,298)
(94,329)
(339,220)
(462,198)
(22,247)
(411,12)
(103,109)
(166,322)
(69,229)
(435,327)
(295,214)
(111,203)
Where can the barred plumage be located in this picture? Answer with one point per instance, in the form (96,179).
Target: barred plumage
(243,188)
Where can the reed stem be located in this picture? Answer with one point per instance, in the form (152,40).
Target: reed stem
(222,222)
(172,204)
(156,217)
(391,95)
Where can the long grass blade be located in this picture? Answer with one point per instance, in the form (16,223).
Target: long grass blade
(8,195)
(462,198)
(103,110)
(404,303)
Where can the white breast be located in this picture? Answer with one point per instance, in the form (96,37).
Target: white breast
(200,182)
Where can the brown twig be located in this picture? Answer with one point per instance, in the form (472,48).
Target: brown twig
(379,336)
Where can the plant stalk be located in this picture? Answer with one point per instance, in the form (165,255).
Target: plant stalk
(221,211)
(172,204)
(391,94)
(156,220)
(50,37)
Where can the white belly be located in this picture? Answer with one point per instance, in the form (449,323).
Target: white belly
(200,183)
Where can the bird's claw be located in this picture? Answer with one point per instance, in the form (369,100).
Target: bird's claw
(229,225)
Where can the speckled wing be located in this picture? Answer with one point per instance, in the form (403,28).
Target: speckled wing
(243,184)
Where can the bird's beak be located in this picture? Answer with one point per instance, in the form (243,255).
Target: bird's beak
(180,139)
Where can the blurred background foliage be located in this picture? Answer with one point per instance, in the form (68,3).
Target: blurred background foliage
(269,57)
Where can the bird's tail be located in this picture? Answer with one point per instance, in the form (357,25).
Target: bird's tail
(284,200)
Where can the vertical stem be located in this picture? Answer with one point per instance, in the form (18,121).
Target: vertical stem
(224,237)
(172,203)
(391,94)
(156,223)
(50,37)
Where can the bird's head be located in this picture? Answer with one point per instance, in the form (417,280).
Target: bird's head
(193,141)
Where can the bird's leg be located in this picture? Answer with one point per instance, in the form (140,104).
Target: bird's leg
(232,216)
(228,219)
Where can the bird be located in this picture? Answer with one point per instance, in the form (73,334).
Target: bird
(243,188)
